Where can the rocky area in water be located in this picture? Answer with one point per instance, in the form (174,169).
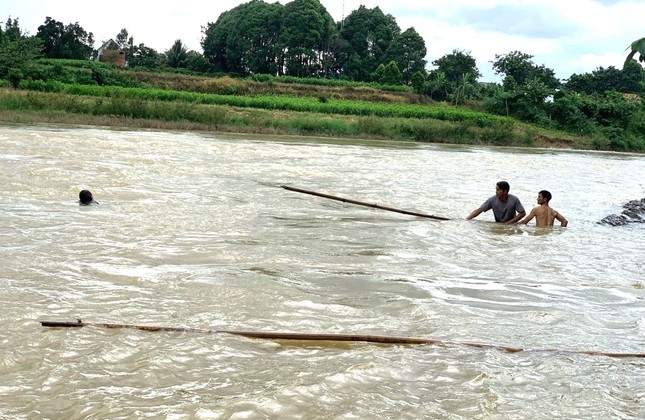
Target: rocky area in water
(634,212)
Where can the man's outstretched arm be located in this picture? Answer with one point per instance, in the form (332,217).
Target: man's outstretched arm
(474,214)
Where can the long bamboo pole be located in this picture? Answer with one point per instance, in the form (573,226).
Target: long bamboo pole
(362,203)
(295,336)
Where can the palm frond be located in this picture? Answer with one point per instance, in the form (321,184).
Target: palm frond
(637,46)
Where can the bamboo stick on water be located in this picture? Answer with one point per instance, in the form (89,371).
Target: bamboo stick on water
(380,339)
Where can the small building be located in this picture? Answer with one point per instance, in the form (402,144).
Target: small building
(110,52)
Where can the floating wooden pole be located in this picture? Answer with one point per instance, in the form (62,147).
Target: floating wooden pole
(294,336)
(361,203)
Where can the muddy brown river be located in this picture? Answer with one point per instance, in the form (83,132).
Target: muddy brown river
(193,230)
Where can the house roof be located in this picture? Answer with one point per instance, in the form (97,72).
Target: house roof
(108,45)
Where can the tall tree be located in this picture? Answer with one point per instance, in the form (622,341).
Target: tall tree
(215,40)
(252,43)
(367,35)
(16,51)
(630,79)
(177,54)
(521,68)
(123,39)
(457,64)
(460,75)
(306,37)
(392,75)
(437,85)
(526,87)
(51,33)
(408,50)
(12,29)
(333,62)
(146,57)
(197,62)
(65,41)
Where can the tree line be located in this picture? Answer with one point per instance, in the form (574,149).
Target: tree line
(301,39)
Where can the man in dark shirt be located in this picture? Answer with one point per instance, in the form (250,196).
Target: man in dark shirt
(506,207)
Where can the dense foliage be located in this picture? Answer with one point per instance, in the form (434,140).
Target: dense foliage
(65,41)
(17,51)
(299,43)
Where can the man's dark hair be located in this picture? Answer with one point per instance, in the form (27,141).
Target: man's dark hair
(85,197)
(503,185)
(546,194)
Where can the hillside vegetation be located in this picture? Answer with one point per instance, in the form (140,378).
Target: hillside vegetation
(86,92)
(291,69)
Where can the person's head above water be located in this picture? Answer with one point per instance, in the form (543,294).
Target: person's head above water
(503,185)
(85,197)
(546,196)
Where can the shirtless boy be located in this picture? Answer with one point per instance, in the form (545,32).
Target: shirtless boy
(544,215)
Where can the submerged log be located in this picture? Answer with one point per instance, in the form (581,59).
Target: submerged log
(295,336)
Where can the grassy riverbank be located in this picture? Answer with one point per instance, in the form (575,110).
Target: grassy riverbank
(24,106)
(90,93)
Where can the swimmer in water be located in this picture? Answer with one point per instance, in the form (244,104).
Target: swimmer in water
(85,198)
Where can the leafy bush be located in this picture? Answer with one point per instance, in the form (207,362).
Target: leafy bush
(14,77)
(568,113)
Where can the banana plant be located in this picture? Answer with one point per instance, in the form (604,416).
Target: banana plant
(637,46)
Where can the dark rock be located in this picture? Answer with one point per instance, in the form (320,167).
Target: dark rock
(634,213)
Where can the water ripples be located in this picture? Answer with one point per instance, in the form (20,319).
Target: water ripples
(195,231)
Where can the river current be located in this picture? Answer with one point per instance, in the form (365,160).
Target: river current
(193,230)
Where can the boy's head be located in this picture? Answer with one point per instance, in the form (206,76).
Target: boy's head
(546,196)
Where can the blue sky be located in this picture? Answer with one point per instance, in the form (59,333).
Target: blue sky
(569,36)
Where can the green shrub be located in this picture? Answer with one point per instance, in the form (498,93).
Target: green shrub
(14,77)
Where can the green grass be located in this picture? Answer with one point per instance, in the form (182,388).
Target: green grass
(278,102)
(22,106)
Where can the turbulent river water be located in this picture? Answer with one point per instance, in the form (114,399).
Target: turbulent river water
(193,230)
